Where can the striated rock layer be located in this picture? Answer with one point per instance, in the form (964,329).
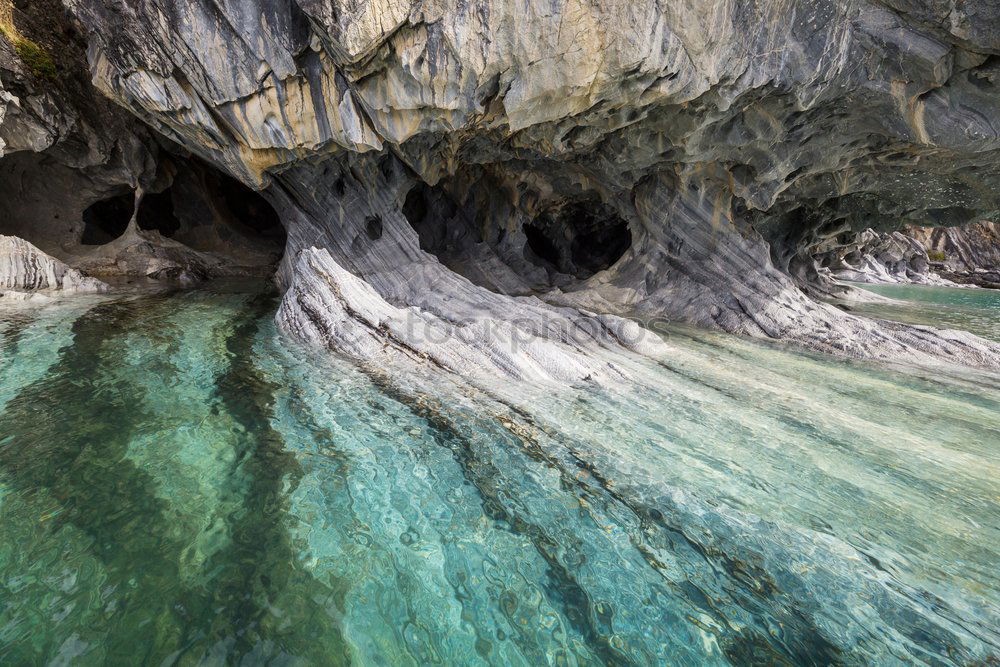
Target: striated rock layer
(946,256)
(888,257)
(541,170)
(967,254)
(25,268)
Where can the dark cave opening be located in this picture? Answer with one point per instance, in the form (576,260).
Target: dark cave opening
(578,239)
(249,209)
(597,249)
(156,213)
(541,245)
(203,209)
(106,220)
(432,230)
(373,227)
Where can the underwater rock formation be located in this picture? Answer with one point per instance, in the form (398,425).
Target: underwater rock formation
(534,169)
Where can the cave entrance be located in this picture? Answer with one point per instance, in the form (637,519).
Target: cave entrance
(106,220)
(578,239)
(210,211)
(204,209)
(540,244)
(249,211)
(569,240)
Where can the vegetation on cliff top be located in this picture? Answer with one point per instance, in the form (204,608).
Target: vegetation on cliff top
(34,56)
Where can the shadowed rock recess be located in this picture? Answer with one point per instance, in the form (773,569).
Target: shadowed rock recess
(497,185)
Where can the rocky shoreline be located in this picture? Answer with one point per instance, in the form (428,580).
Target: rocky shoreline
(508,168)
(947,257)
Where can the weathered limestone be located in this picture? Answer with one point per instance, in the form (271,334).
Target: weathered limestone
(945,256)
(65,150)
(891,257)
(358,282)
(429,297)
(709,146)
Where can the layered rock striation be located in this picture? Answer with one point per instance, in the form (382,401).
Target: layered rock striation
(544,170)
(968,254)
(24,268)
(888,257)
(946,256)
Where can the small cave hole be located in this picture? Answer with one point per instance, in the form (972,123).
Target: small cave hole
(106,220)
(415,206)
(540,244)
(387,170)
(373,227)
(428,210)
(579,239)
(156,213)
(250,210)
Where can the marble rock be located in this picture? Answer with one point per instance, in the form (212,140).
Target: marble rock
(25,268)
(968,254)
(530,164)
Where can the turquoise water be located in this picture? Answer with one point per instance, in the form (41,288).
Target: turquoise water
(179,485)
(975,310)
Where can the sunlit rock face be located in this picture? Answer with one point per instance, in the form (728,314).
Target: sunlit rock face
(663,159)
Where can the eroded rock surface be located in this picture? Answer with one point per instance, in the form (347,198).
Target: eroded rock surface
(968,254)
(74,167)
(25,268)
(889,257)
(945,256)
(525,164)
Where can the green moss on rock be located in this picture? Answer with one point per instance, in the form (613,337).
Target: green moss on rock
(36,59)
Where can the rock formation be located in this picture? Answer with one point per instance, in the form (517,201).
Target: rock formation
(75,169)
(542,170)
(967,254)
(889,257)
(25,268)
(945,256)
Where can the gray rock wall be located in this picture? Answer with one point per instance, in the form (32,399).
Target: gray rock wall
(967,254)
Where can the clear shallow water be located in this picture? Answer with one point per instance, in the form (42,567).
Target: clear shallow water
(178,486)
(975,310)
